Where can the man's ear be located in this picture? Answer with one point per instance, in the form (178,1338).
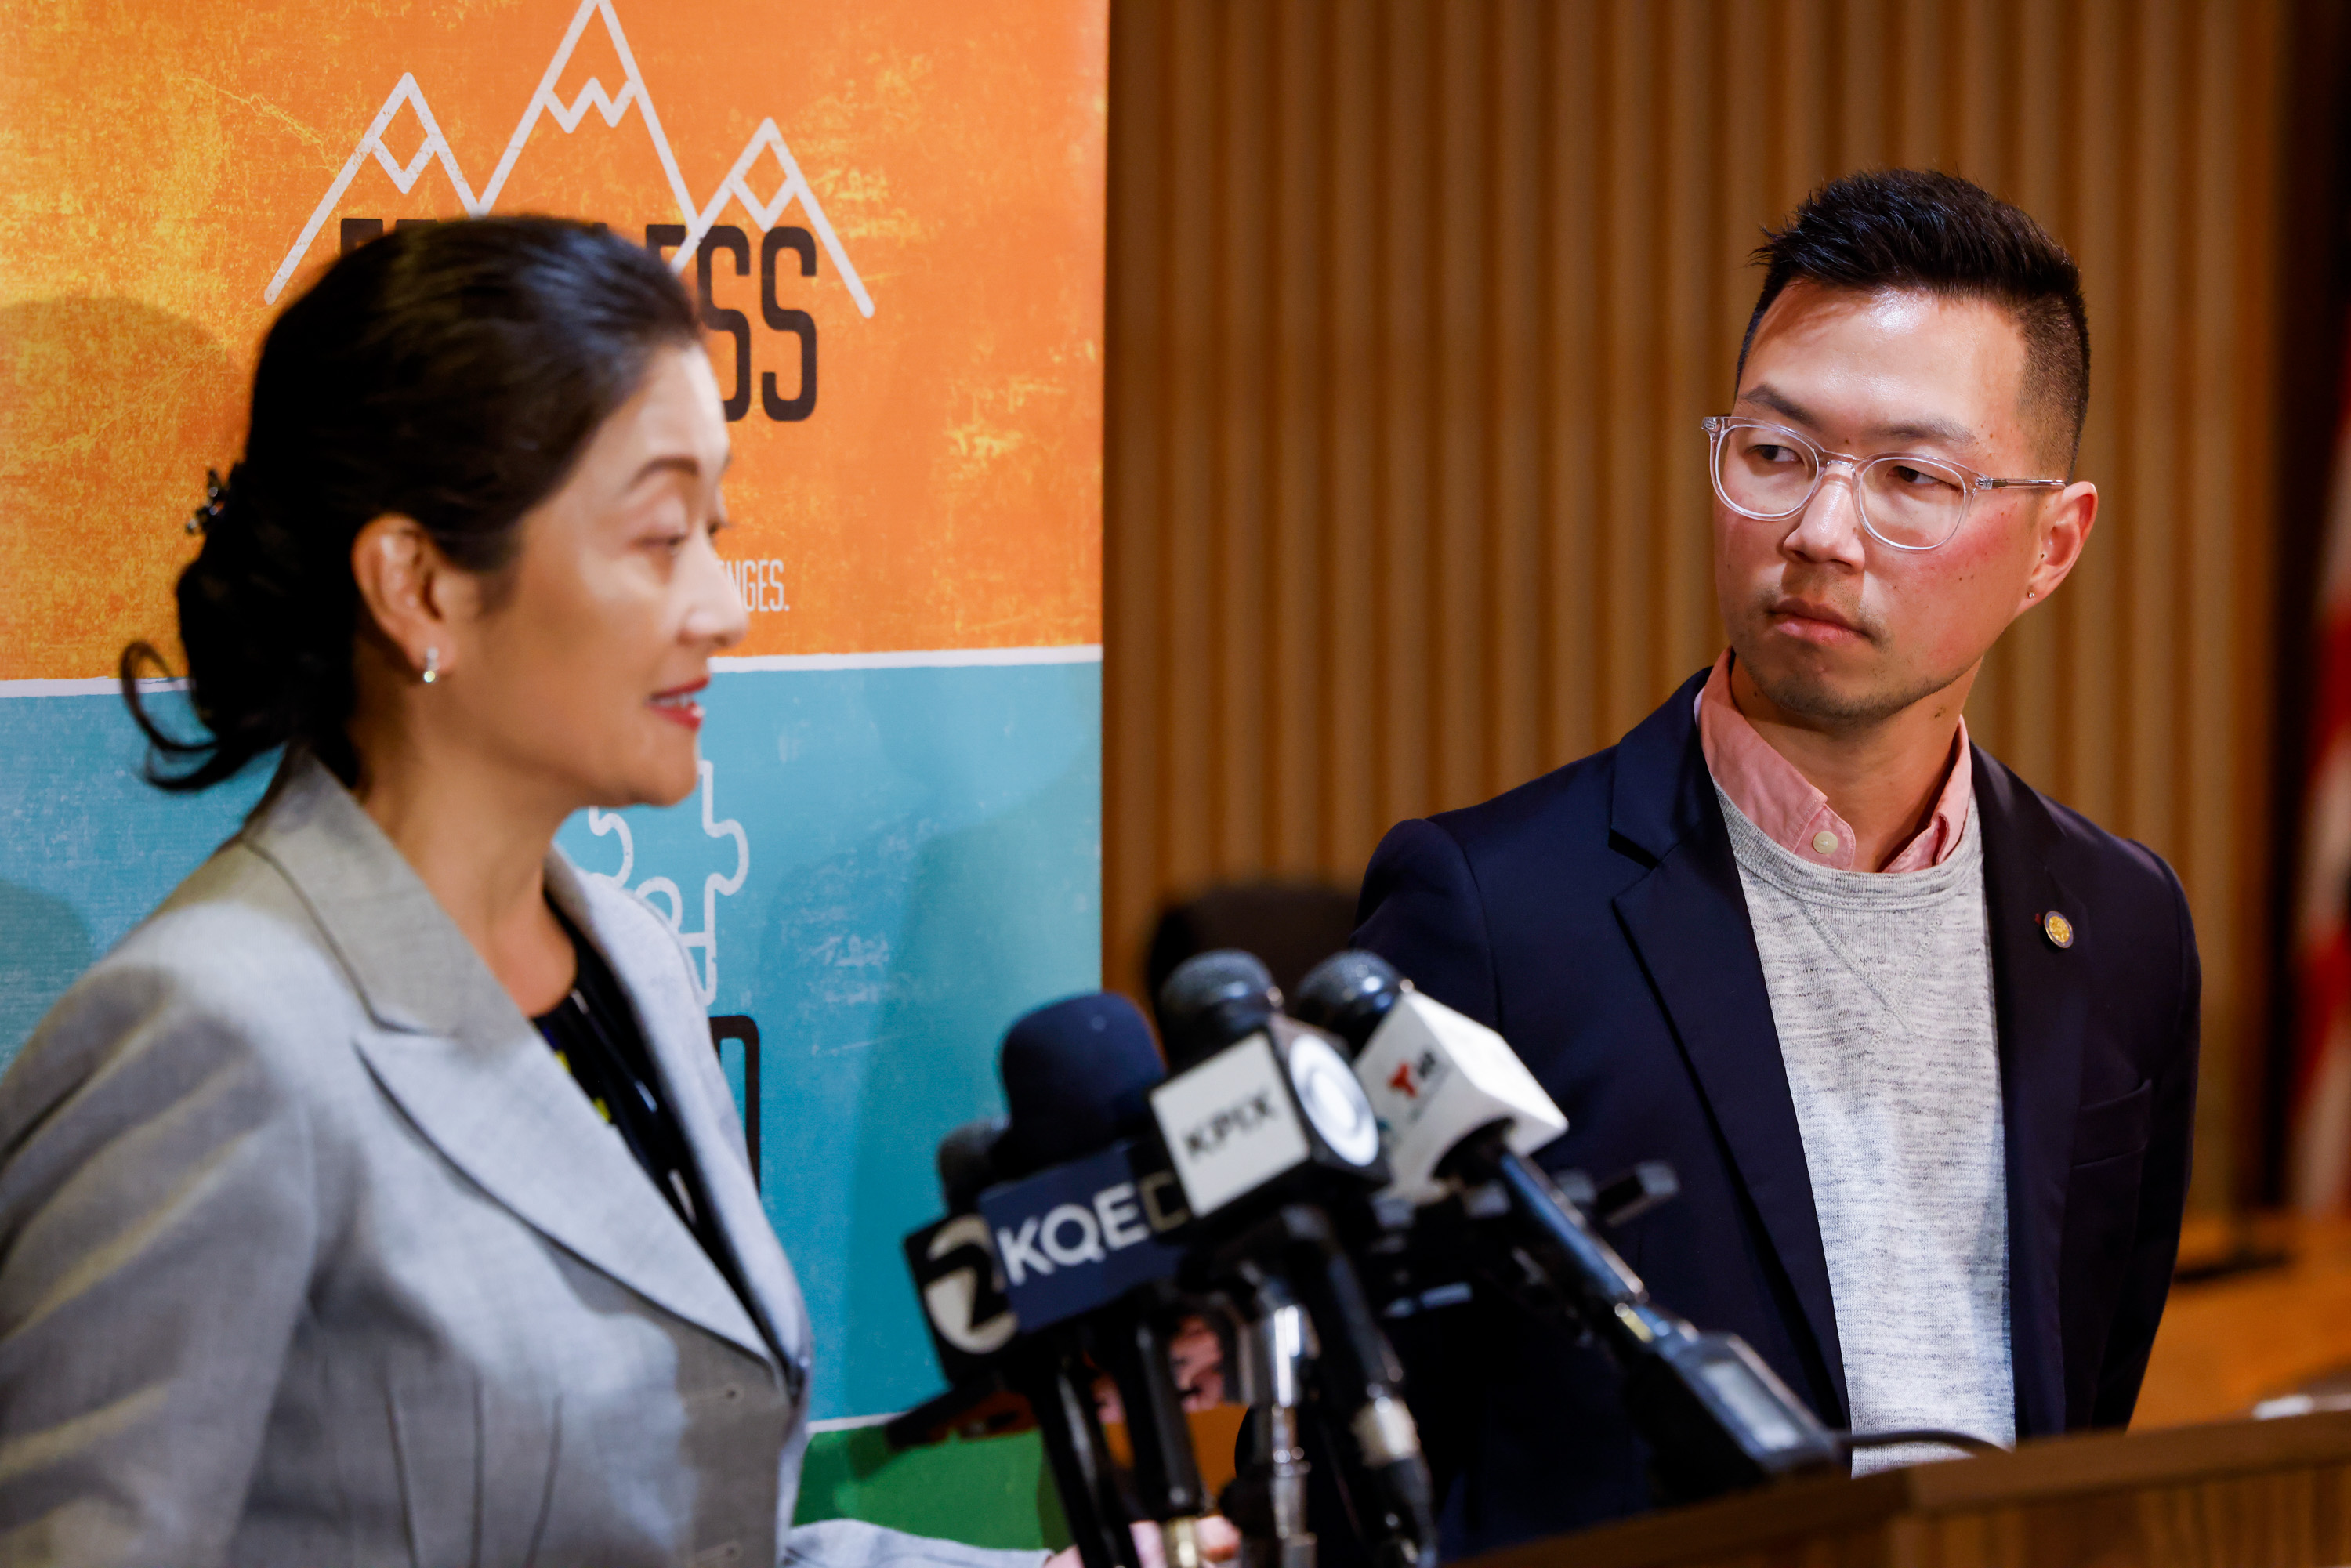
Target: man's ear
(412,593)
(2064,529)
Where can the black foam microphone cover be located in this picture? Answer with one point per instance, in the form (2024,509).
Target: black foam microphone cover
(1349,993)
(967,1161)
(1213,999)
(1077,1074)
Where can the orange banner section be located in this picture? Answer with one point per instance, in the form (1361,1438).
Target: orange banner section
(892,211)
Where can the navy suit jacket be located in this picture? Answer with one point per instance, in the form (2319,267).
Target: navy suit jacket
(1596,917)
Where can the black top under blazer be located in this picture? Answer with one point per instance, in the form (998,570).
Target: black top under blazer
(1596,917)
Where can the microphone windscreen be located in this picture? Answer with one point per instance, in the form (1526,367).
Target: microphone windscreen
(966,1162)
(1213,999)
(1349,993)
(1078,1075)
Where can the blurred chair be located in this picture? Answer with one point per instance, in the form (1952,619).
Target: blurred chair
(1292,925)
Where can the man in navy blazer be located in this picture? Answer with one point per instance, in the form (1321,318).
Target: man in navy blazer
(1665,934)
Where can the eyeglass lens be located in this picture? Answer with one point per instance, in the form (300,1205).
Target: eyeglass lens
(1906,501)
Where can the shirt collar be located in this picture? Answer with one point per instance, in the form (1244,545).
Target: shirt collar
(1767,788)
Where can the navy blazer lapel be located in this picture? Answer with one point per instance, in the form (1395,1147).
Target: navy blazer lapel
(2041,1005)
(1687,920)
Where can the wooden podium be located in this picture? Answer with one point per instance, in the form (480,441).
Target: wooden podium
(2238,1494)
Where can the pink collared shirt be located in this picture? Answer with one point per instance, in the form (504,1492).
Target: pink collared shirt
(1767,788)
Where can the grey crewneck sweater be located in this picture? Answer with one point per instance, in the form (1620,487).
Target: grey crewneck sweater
(1881,992)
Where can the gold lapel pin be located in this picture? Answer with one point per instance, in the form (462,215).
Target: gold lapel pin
(2058,929)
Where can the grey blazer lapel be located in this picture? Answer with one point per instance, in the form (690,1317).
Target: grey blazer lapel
(471,1072)
(645,955)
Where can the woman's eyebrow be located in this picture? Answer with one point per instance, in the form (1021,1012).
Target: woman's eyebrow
(682,463)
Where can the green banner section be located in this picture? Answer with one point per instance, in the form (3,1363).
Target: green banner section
(989,1492)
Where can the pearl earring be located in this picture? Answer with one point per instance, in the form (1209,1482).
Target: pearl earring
(432,665)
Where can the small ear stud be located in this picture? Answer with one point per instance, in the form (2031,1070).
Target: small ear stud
(432,665)
(215,500)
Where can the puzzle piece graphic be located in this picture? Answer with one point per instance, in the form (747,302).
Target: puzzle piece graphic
(658,890)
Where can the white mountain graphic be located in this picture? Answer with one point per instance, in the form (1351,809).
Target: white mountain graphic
(698,216)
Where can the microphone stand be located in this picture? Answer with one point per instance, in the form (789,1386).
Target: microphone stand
(1268,1498)
(1052,1376)
(1295,1249)
(1715,1418)
(1133,1348)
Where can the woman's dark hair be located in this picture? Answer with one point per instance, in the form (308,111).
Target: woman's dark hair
(451,374)
(1919,229)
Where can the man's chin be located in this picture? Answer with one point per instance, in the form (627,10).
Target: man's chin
(1818,692)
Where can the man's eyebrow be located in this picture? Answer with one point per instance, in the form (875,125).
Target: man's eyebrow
(1930,430)
(1779,402)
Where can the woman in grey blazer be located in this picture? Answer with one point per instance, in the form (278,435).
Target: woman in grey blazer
(379,1200)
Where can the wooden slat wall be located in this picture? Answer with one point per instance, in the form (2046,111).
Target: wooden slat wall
(1416,306)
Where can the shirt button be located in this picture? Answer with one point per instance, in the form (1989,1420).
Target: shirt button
(1824,843)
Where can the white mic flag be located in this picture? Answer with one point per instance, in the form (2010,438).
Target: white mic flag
(1434,1077)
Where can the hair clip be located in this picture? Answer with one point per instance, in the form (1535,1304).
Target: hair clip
(215,501)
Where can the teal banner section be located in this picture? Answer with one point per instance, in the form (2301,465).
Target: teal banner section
(86,847)
(919,856)
(881,870)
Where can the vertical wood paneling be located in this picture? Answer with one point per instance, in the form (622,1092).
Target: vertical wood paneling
(2023,707)
(1416,306)
(1350,441)
(1569,526)
(1513,327)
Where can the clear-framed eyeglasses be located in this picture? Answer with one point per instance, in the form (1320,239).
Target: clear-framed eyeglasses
(1770,473)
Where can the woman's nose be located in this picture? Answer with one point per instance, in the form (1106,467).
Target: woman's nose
(717,615)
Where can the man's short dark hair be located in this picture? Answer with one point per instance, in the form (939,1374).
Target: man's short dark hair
(1918,229)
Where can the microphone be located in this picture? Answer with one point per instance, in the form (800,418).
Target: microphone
(1075,1072)
(966,1162)
(1080,1238)
(1079,1211)
(1076,1076)
(1212,999)
(1461,1113)
(1264,1124)
(962,1290)
(1260,1105)
(1434,1077)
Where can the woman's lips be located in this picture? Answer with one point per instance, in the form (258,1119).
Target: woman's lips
(678,705)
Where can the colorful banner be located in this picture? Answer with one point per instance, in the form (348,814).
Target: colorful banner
(892,213)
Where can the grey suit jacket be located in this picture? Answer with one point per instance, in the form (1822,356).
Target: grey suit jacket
(312,1253)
